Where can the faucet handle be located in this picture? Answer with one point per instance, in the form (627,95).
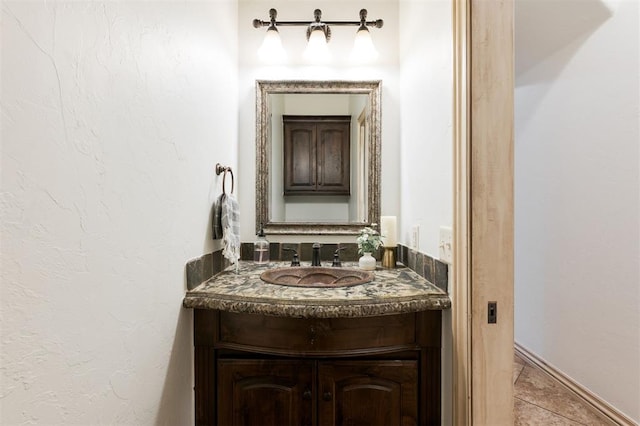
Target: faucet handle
(336,257)
(295,261)
(315,257)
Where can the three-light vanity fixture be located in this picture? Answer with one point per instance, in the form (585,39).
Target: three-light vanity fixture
(318,35)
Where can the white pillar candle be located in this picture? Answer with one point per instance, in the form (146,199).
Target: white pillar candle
(388,231)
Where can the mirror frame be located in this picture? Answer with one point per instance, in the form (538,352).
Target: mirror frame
(264,88)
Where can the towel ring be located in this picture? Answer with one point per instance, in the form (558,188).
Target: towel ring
(222,169)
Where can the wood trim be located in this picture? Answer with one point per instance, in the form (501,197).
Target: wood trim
(206,332)
(483,211)
(588,397)
(205,394)
(491,189)
(205,327)
(460,288)
(346,353)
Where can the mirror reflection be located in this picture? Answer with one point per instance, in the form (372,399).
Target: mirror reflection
(318,152)
(318,161)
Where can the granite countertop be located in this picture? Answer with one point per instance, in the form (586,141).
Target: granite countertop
(393,291)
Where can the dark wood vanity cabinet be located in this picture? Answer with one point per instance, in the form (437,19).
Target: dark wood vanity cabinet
(316,155)
(279,392)
(376,392)
(252,369)
(265,392)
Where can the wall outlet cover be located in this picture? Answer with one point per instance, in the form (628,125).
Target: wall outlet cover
(415,237)
(445,245)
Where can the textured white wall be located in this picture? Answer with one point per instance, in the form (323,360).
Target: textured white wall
(113,117)
(577,192)
(426,121)
(426,177)
(385,68)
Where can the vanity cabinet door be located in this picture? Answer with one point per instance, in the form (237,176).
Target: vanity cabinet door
(316,155)
(265,392)
(368,393)
(299,157)
(332,158)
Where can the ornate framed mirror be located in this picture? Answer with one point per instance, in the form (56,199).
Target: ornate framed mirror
(278,213)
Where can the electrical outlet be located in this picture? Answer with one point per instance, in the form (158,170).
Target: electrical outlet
(415,237)
(445,244)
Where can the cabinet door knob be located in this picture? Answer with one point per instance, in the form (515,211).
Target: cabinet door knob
(306,394)
(327,396)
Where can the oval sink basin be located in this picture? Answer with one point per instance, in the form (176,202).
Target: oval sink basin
(316,276)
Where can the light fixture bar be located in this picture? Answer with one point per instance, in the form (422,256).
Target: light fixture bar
(257,23)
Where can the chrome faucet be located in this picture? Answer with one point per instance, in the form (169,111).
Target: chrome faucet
(315,258)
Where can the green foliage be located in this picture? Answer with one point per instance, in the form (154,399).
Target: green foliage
(369,240)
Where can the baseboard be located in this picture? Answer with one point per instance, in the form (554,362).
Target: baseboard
(580,391)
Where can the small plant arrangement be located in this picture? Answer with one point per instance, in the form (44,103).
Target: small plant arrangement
(369,240)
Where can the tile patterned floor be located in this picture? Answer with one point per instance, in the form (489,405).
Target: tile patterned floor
(540,400)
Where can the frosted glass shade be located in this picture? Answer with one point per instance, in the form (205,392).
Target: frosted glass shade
(317,50)
(363,48)
(271,49)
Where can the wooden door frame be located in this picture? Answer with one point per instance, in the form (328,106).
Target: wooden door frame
(483,212)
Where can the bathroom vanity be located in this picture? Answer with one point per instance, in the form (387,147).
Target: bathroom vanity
(267,354)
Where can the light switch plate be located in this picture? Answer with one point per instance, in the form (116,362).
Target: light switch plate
(445,244)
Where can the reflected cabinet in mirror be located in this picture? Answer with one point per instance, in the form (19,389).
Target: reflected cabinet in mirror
(317,156)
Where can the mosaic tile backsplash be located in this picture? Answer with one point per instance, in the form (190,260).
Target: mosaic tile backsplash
(204,267)
(433,270)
